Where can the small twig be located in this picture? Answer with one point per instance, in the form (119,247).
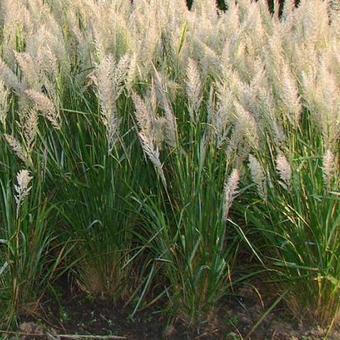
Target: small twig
(84,336)
(21,333)
(69,336)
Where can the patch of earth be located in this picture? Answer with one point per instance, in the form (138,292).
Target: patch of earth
(243,315)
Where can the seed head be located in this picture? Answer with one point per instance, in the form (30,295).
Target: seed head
(284,169)
(230,191)
(22,188)
(258,176)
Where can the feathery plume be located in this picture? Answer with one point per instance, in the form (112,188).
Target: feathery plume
(29,69)
(194,89)
(4,105)
(110,79)
(145,118)
(30,129)
(9,78)
(258,176)
(153,153)
(120,74)
(284,169)
(47,61)
(218,118)
(171,136)
(247,125)
(230,191)
(148,124)
(46,107)
(17,148)
(328,166)
(22,188)
(103,80)
(131,74)
(290,96)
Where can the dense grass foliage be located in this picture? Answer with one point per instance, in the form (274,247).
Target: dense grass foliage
(145,146)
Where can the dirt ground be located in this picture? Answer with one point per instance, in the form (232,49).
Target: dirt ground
(244,315)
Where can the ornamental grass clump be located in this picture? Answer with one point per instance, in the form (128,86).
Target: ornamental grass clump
(296,229)
(285,121)
(102,170)
(28,267)
(185,218)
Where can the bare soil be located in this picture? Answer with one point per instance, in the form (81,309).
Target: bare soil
(78,314)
